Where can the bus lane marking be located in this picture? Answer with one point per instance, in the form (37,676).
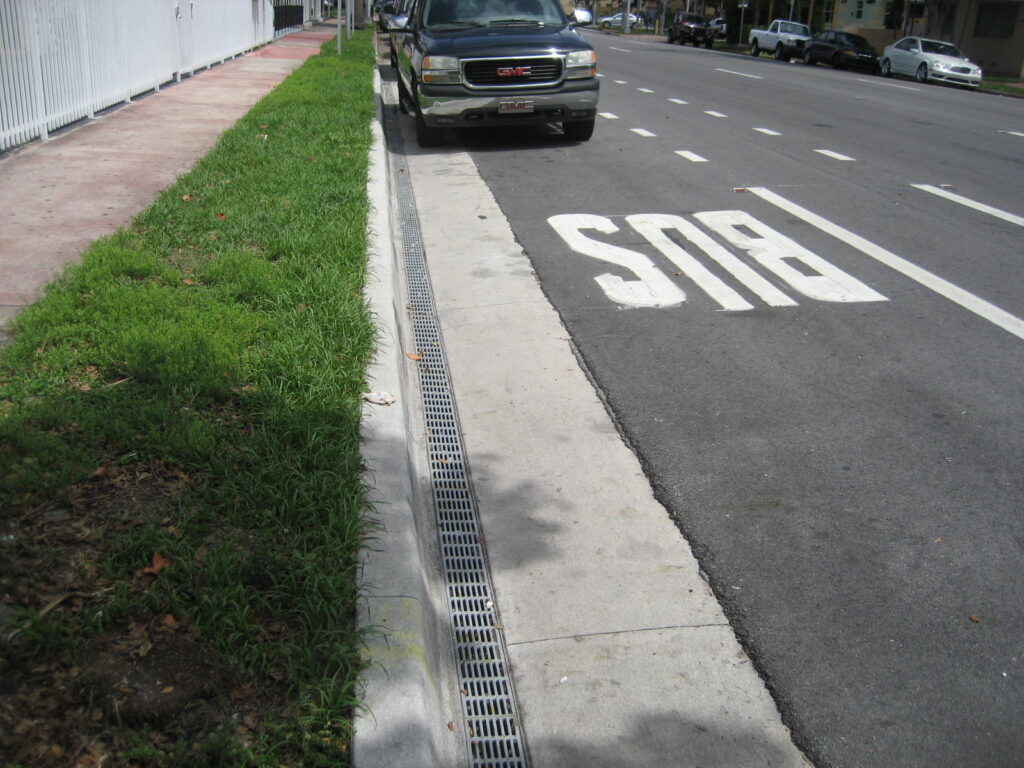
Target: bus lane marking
(767,248)
(954,293)
(990,210)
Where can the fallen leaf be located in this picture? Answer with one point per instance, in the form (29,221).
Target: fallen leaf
(169,621)
(379,398)
(187,198)
(186,281)
(451,726)
(168,689)
(159,563)
(414,355)
(221,216)
(976,619)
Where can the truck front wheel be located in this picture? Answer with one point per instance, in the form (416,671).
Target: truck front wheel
(755,49)
(780,52)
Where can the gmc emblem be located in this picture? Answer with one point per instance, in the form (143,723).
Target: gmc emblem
(514,71)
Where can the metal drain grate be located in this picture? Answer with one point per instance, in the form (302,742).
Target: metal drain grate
(493,734)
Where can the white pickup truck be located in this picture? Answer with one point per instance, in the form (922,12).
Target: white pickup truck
(783,38)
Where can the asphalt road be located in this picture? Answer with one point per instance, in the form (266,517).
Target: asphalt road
(823,374)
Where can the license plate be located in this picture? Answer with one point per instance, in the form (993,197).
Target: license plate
(515,107)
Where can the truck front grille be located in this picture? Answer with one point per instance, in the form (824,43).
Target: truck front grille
(495,73)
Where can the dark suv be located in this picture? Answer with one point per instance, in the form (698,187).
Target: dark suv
(468,63)
(690,28)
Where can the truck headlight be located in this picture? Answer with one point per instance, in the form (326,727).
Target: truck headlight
(440,69)
(579,64)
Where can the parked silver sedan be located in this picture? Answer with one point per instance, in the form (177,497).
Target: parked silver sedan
(930,60)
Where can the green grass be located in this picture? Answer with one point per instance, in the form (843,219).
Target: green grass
(217,347)
(997,84)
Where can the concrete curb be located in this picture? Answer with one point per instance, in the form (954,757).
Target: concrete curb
(408,718)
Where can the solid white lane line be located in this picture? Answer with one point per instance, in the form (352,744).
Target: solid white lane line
(693,157)
(999,214)
(608,116)
(887,85)
(624,50)
(741,74)
(713,113)
(643,132)
(954,293)
(834,155)
(678,101)
(767,131)
(645,90)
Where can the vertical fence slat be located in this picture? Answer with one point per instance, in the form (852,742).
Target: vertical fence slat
(64,60)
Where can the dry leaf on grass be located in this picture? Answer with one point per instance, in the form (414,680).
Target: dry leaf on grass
(159,563)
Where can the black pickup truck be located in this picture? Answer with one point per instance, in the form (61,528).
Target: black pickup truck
(467,63)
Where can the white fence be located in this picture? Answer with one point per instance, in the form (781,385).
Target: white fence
(63,60)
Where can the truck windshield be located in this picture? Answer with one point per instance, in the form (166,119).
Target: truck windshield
(473,13)
(789,28)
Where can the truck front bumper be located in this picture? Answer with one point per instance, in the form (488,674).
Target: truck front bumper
(459,107)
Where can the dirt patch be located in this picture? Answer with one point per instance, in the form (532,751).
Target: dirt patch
(138,683)
(146,685)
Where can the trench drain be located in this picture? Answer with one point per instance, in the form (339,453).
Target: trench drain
(493,733)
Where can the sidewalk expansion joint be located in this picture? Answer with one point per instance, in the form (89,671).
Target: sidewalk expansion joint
(493,728)
(619,632)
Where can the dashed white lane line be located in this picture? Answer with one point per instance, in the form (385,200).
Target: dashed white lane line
(767,131)
(620,82)
(887,85)
(713,113)
(999,214)
(643,132)
(954,293)
(678,101)
(693,157)
(834,155)
(1013,133)
(608,116)
(645,90)
(741,74)
(623,50)
(600,74)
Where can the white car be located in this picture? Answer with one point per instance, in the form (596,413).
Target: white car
(616,20)
(929,60)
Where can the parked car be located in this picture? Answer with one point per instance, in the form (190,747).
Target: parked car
(616,21)
(783,38)
(466,64)
(841,50)
(690,28)
(718,26)
(930,60)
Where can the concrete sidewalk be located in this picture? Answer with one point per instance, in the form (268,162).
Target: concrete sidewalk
(93,177)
